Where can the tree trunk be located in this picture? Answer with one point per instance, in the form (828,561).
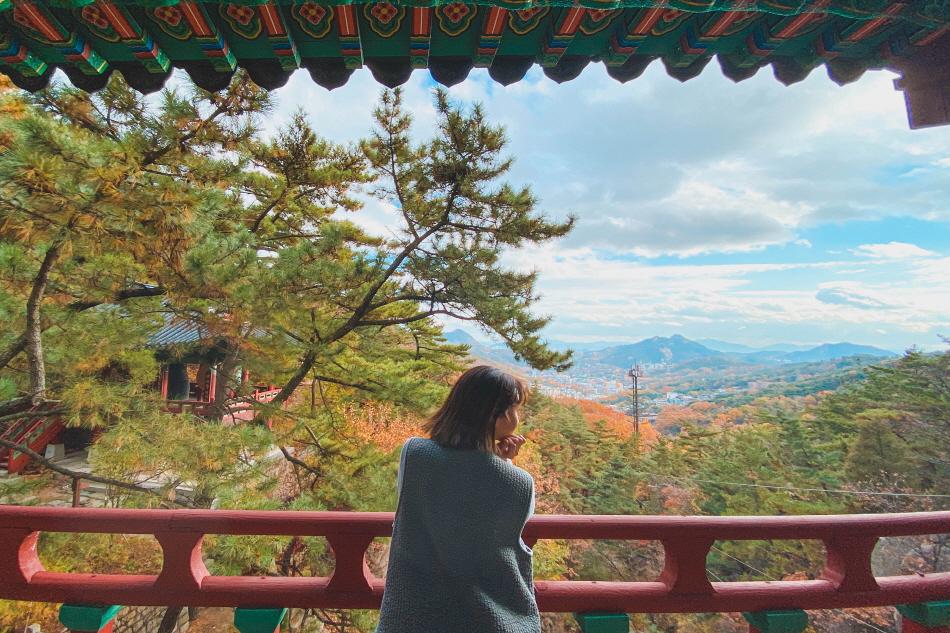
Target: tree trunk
(169,620)
(33,333)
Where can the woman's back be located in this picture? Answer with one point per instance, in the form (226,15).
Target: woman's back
(457,563)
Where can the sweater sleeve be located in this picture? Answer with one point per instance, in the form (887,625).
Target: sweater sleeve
(402,468)
(531,506)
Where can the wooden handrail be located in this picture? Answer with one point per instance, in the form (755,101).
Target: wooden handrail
(682,587)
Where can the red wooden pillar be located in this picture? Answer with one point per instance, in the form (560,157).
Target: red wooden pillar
(163,377)
(212,384)
(85,618)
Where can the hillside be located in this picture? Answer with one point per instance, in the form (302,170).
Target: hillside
(829,351)
(668,350)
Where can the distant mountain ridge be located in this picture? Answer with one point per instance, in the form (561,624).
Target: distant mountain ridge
(658,349)
(738,348)
(829,351)
(678,350)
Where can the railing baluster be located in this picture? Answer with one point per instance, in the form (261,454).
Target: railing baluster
(182,566)
(684,566)
(18,557)
(848,563)
(351,573)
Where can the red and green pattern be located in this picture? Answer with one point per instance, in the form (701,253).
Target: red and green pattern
(243,19)
(114,23)
(628,38)
(211,38)
(281,43)
(456,17)
(562,37)
(313,18)
(490,37)
(351,48)
(16,55)
(419,38)
(384,17)
(596,20)
(37,22)
(189,23)
(526,20)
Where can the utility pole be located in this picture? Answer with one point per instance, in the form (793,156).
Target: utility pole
(635,373)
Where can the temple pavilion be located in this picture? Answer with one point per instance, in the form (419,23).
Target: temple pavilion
(200,373)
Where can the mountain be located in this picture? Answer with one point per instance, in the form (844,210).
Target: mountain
(829,351)
(460,337)
(786,347)
(738,348)
(493,353)
(725,346)
(659,349)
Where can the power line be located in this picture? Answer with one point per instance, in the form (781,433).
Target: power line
(770,577)
(796,489)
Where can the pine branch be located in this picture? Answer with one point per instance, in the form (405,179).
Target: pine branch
(75,474)
(122,295)
(17,346)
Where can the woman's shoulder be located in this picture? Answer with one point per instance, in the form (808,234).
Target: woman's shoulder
(413,441)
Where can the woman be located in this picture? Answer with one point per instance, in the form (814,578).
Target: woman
(457,563)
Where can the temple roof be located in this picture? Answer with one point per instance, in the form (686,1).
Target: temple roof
(145,39)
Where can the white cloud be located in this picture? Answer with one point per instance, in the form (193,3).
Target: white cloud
(655,167)
(892,250)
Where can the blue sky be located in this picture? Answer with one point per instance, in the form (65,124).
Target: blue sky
(751,212)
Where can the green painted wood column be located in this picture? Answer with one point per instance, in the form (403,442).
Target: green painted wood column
(787,621)
(603,622)
(88,618)
(929,617)
(258,620)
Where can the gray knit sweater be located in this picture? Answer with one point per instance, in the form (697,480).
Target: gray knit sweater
(457,563)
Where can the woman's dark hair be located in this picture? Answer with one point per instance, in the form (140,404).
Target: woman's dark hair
(467,418)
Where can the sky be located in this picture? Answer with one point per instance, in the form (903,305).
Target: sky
(754,213)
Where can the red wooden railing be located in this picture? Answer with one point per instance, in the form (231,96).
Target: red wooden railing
(240,410)
(683,586)
(33,432)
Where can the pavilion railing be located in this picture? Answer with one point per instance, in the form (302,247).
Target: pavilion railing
(235,409)
(682,586)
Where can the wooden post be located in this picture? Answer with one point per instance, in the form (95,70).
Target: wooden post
(258,620)
(212,384)
(164,381)
(603,622)
(786,621)
(77,487)
(84,618)
(929,617)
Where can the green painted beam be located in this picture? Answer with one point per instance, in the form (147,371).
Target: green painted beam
(603,622)
(87,617)
(258,620)
(927,613)
(789,621)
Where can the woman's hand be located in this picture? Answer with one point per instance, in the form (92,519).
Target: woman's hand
(509,446)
